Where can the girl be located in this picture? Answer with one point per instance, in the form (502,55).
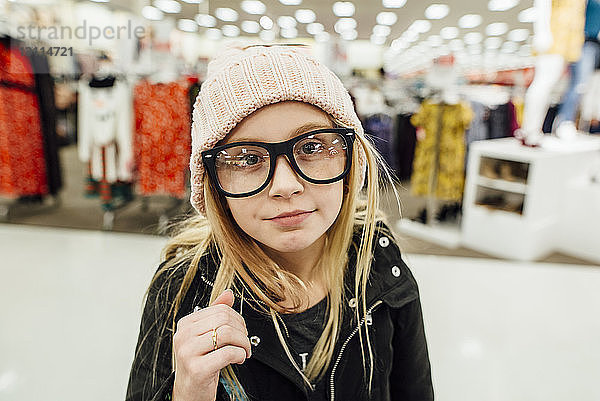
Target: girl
(288,285)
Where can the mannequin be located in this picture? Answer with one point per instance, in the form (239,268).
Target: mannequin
(581,71)
(558,37)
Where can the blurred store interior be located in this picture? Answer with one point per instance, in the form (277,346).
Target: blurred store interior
(487,113)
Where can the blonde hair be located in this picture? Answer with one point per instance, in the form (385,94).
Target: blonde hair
(360,211)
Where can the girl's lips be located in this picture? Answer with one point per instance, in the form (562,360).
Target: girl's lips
(291,220)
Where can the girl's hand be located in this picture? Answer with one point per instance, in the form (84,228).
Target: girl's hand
(197,363)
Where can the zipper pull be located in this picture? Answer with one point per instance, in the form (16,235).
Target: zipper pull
(369,319)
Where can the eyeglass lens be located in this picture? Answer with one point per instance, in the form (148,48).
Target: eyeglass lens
(245,168)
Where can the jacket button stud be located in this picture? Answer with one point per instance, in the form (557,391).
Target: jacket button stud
(255,340)
(352,302)
(384,241)
(396,271)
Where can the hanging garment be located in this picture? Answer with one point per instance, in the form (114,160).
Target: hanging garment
(519,104)
(44,84)
(567,22)
(105,128)
(406,140)
(381,127)
(592,19)
(499,122)
(580,79)
(478,130)
(438,168)
(513,123)
(162,137)
(22,158)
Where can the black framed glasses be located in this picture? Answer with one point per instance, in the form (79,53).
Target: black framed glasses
(241,169)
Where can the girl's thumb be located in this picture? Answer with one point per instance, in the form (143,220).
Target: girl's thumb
(226,297)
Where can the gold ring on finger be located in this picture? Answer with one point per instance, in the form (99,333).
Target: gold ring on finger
(214,338)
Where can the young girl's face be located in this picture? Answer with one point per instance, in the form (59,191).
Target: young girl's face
(287,191)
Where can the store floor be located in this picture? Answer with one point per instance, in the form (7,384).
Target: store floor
(77,211)
(497,331)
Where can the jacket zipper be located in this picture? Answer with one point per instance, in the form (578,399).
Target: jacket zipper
(331,382)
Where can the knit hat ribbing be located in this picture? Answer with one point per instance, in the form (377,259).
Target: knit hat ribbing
(241,80)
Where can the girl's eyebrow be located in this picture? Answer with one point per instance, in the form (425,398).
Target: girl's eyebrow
(300,130)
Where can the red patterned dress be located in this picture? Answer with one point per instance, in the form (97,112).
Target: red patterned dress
(162,142)
(22,160)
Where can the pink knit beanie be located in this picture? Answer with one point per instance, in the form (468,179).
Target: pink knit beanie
(240,80)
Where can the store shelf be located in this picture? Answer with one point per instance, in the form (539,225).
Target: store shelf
(502,185)
(521,203)
(492,209)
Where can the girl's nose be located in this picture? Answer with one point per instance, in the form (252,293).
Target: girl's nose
(285,181)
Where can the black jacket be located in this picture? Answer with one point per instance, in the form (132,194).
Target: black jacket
(394,320)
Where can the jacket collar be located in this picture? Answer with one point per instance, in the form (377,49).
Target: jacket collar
(390,282)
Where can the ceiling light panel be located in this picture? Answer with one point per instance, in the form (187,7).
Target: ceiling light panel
(343,8)
(322,37)
(437,11)
(420,26)
(496,29)
(528,15)
(187,25)
(213,34)
(378,40)
(286,22)
(226,14)
(152,13)
(502,5)
(289,33)
(509,47)
(399,44)
(266,22)
(469,21)
(386,18)
(168,6)
(493,43)
(231,31)
(381,30)
(410,36)
(291,2)
(315,28)
(267,35)
(472,38)
(250,27)
(393,3)
(518,35)
(349,35)
(253,7)
(449,32)
(345,24)
(305,16)
(205,20)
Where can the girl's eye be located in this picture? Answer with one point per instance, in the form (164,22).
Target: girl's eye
(248,160)
(310,148)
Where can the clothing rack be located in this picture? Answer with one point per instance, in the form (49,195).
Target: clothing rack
(442,234)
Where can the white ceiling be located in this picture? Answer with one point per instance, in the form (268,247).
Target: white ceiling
(367,10)
(365,14)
